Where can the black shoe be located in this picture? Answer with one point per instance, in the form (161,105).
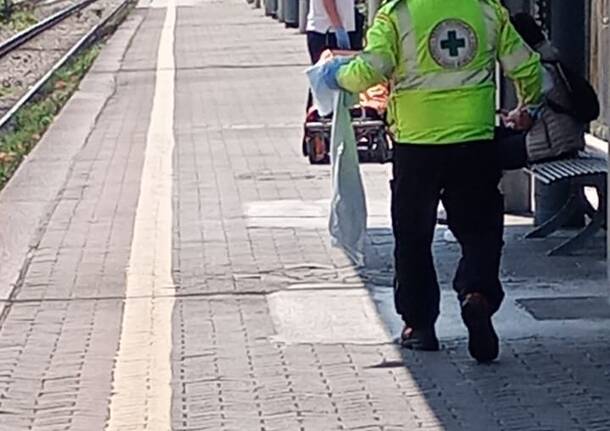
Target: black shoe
(419,339)
(482,338)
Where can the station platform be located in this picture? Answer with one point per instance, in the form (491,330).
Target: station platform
(166,265)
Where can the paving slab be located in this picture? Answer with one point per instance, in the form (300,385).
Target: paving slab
(32,194)
(78,188)
(272,329)
(284,335)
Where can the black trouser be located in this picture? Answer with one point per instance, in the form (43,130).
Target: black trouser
(317,43)
(512,150)
(465,177)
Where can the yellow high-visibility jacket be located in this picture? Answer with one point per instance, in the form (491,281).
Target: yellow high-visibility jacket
(440,59)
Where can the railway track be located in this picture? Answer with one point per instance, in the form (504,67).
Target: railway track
(29,59)
(19,14)
(34,3)
(24,36)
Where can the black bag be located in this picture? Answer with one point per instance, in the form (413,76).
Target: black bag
(584,103)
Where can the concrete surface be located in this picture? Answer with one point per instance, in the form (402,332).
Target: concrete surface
(271,328)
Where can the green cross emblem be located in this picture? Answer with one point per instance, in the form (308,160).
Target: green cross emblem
(453,43)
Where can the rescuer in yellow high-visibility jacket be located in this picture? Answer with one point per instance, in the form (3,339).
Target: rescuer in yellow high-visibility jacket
(440,57)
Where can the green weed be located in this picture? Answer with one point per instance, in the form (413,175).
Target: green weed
(33,119)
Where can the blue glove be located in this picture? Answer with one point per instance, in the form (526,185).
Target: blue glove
(342,38)
(330,70)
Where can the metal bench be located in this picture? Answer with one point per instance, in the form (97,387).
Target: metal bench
(587,169)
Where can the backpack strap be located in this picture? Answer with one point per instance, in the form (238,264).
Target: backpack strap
(560,109)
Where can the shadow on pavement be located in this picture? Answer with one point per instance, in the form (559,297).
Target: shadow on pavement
(557,379)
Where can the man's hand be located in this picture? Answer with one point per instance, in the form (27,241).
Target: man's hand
(330,70)
(342,38)
(330,6)
(518,119)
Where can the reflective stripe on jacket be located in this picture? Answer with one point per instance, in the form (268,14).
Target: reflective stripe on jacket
(439,57)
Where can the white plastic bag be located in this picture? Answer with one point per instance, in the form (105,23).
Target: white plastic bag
(348,213)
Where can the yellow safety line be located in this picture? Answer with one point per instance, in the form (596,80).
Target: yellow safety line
(142,393)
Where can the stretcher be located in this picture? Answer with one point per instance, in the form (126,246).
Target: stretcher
(368,120)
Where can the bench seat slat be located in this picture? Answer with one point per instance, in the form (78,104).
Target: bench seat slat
(584,163)
(585,169)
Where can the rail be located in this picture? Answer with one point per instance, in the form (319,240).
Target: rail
(24,36)
(91,36)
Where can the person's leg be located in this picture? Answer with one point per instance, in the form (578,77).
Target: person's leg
(316,44)
(475,211)
(356,37)
(415,197)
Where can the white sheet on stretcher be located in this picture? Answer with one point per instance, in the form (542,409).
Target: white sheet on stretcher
(348,213)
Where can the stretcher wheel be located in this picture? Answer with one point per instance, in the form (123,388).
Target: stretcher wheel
(374,147)
(311,152)
(382,150)
(304,143)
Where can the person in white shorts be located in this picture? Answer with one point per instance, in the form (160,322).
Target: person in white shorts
(331,24)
